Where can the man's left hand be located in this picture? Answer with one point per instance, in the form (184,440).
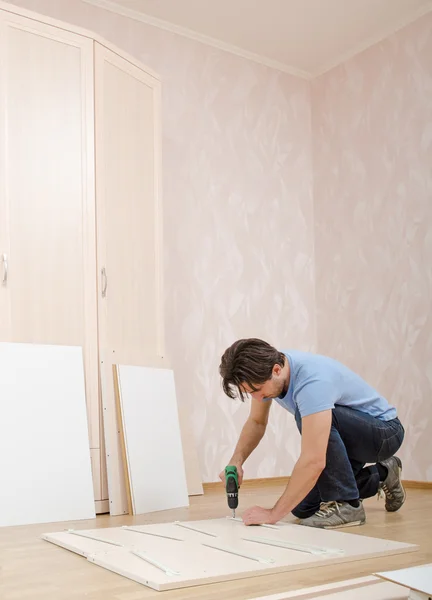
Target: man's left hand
(258,516)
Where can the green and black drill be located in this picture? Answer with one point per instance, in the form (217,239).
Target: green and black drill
(232,487)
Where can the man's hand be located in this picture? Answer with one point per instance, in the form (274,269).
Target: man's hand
(239,473)
(258,516)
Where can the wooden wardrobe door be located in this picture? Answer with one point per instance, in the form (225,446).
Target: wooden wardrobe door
(47,191)
(127,102)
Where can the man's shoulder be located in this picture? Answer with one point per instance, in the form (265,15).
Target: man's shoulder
(302,357)
(312,366)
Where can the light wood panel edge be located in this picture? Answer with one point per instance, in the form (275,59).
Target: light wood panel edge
(278,481)
(35,16)
(117,395)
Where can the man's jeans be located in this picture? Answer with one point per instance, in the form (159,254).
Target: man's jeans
(355,439)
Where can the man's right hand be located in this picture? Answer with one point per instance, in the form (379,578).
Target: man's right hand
(239,473)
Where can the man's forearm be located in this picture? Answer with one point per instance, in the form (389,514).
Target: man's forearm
(249,439)
(304,476)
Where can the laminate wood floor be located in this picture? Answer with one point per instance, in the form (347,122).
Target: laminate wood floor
(33,569)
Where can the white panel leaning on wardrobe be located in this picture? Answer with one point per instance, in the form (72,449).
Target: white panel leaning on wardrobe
(147,408)
(44,452)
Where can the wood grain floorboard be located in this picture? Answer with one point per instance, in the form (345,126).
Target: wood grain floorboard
(33,569)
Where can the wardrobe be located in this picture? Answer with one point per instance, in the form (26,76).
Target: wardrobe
(80,215)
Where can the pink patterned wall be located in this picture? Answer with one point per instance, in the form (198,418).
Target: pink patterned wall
(242,219)
(372,132)
(238,220)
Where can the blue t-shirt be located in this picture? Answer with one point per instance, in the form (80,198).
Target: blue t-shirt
(319,383)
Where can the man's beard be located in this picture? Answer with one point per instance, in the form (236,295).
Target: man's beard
(283,388)
(280,390)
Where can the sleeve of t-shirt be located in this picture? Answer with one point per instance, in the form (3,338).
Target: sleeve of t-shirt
(315,396)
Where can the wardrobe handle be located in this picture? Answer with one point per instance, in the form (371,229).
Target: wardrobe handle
(5,269)
(104,282)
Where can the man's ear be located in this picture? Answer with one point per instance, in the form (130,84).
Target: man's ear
(277,370)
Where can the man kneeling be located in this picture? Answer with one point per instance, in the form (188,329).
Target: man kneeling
(344,424)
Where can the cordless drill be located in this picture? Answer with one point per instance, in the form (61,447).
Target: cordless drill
(232,487)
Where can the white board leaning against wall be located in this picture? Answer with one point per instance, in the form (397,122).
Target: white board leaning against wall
(44,449)
(152,445)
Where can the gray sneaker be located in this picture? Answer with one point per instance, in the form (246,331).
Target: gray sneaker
(392,487)
(333,515)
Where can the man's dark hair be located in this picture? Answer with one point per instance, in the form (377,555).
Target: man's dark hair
(248,361)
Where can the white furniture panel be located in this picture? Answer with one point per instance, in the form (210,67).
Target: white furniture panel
(362,588)
(179,555)
(418,579)
(44,451)
(152,439)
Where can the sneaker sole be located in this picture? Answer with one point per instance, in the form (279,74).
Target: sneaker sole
(343,525)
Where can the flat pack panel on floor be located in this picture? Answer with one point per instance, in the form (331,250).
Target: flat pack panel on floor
(416,578)
(182,554)
(44,445)
(371,588)
(152,439)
